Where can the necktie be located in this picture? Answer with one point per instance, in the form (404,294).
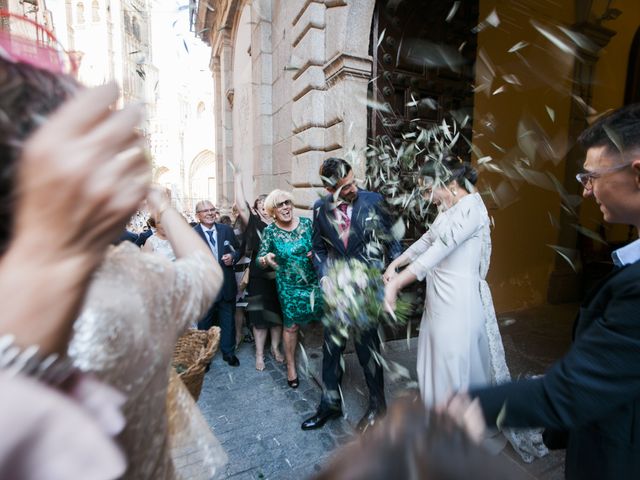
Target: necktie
(212,239)
(345,223)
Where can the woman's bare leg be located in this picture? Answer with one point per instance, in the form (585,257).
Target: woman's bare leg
(290,337)
(260,336)
(276,334)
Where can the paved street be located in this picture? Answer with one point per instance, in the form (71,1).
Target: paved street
(256,416)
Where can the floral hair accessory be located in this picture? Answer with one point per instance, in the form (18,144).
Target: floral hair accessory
(43,51)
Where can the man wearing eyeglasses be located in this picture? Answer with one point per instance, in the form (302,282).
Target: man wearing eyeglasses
(224,245)
(589,400)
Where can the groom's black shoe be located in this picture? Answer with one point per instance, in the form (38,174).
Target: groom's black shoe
(373,416)
(232,360)
(321,417)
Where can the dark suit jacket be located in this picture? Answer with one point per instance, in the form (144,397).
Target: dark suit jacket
(227,243)
(593,392)
(126,236)
(369,236)
(142,238)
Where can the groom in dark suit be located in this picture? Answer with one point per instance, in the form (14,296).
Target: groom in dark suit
(224,245)
(589,400)
(349,223)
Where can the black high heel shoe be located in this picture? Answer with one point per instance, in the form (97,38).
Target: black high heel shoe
(294,383)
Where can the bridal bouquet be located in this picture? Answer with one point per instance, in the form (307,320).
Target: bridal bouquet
(354,298)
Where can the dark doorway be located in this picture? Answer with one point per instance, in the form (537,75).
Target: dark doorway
(423,64)
(632,89)
(424,54)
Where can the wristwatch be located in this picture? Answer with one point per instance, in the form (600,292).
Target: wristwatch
(53,369)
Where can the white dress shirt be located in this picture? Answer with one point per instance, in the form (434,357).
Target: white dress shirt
(627,255)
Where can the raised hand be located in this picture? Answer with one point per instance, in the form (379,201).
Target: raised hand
(158,200)
(83,173)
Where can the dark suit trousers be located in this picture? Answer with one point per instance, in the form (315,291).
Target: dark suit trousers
(332,369)
(223,311)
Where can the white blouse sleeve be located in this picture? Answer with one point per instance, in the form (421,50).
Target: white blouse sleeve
(454,229)
(421,245)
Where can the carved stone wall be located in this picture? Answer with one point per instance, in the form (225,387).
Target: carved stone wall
(310,71)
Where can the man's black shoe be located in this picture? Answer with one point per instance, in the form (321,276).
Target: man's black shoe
(320,418)
(232,360)
(370,418)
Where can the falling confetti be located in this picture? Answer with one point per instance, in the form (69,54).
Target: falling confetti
(551,112)
(518,46)
(453,11)
(570,255)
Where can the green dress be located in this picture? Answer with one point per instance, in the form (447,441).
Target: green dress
(297,282)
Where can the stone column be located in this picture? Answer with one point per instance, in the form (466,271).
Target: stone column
(218,113)
(348,77)
(331,41)
(262,72)
(225,175)
(565,285)
(309,144)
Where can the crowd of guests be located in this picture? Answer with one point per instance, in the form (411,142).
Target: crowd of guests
(89,328)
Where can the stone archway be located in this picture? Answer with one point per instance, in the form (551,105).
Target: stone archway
(202,179)
(160,173)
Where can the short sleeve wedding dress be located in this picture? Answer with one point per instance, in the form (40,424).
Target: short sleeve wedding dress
(459,343)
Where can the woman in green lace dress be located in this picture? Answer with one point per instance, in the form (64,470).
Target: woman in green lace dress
(286,247)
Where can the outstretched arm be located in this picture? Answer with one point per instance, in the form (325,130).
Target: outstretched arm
(596,377)
(183,239)
(240,198)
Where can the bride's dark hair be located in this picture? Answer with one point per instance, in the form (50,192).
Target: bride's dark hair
(448,168)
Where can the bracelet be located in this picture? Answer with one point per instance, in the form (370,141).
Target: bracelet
(53,369)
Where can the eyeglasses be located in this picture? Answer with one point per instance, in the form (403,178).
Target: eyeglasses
(286,203)
(586,178)
(208,210)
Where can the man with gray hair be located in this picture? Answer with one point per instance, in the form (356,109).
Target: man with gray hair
(224,245)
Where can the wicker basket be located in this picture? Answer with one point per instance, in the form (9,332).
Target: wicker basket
(192,354)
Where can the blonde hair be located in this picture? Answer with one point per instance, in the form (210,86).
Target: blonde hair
(274,198)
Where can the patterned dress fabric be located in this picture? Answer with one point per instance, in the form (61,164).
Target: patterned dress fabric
(297,282)
(137,306)
(460,343)
(162,247)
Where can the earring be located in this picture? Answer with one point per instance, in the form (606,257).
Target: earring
(454,191)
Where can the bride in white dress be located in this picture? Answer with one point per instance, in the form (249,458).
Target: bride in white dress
(459,343)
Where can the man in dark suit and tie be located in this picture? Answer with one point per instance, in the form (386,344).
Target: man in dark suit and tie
(224,245)
(589,400)
(349,223)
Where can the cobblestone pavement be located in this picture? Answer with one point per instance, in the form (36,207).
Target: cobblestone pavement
(257,416)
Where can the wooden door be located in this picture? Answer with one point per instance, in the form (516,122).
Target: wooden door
(424,53)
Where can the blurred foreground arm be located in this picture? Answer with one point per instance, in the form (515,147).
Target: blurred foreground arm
(80,177)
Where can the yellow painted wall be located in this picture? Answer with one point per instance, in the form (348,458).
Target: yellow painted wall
(608,88)
(521,261)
